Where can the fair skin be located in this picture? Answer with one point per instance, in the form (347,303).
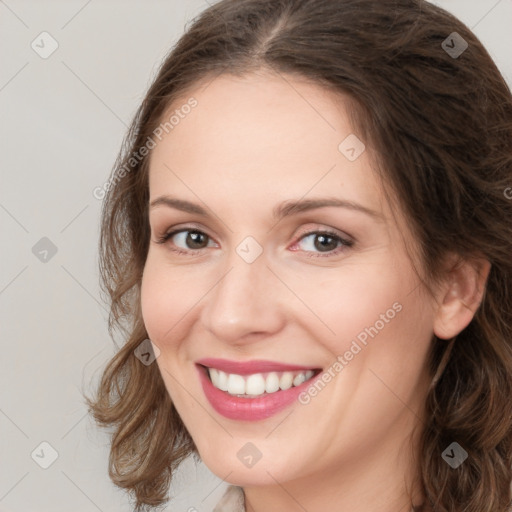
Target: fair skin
(251,144)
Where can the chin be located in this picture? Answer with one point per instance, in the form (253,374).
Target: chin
(246,465)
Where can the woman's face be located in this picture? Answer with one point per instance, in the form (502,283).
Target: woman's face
(268,296)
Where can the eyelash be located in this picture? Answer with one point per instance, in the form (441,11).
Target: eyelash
(345,243)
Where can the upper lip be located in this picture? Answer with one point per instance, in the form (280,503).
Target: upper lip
(249,367)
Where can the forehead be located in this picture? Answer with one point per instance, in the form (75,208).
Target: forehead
(262,137)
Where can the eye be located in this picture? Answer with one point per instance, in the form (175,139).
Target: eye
(186,240)
(327,242)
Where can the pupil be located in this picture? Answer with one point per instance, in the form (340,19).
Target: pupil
(194,240)
(323,244)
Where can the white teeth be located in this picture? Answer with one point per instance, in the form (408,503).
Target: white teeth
(272,383)
(219,379)
(299,379)
(223,381)
(236,384)
(286,381)
(257,384)
(214,376)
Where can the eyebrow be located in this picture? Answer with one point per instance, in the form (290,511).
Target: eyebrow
(282,210)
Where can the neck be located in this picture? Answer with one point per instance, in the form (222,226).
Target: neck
(381,477)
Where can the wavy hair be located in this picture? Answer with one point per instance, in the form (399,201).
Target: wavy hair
(441,127)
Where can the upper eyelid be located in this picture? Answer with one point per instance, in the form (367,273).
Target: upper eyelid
(199,226)
(178,229)
(344,237)
(193,227)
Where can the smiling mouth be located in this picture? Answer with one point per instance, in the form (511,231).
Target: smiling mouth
(257,385)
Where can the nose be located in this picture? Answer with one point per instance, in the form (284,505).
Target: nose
(247,303)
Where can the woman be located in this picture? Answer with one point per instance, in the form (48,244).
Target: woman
(310,222)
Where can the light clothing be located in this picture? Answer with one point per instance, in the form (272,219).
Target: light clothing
(233,500)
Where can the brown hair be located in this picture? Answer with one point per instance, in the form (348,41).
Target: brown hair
(441,126)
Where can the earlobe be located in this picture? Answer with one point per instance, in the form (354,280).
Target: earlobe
(460,296)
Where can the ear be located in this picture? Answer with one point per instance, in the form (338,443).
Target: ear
(460,295)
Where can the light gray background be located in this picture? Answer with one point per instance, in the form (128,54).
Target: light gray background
(63,120)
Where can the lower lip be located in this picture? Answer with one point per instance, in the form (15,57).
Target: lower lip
(249,409)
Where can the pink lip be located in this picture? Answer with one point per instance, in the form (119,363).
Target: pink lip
(249,409)
(248,367)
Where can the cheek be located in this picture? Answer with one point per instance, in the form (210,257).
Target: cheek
(373,317)
(164,299)
(354,299)
(171,297)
